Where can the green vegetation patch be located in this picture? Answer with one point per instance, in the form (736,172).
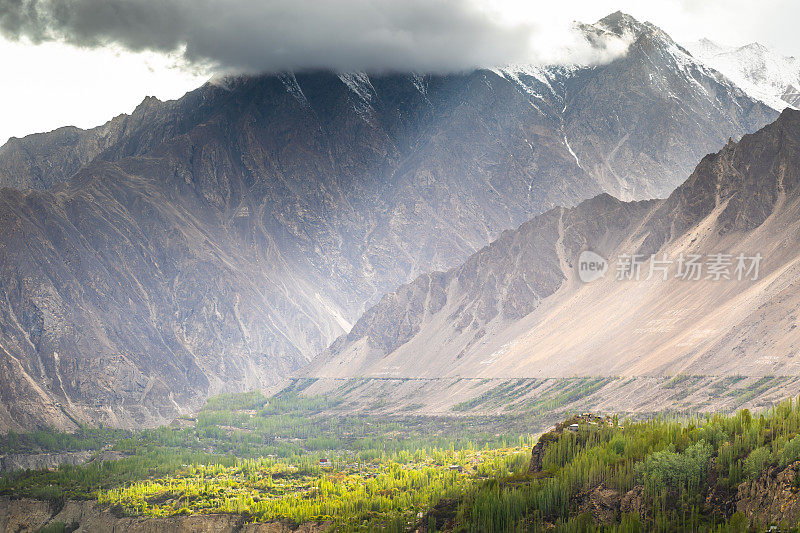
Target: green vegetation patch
(282,457)
(664,468)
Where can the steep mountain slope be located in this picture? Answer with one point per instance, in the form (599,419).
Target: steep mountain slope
(219,241)
(641,123)
(762,73)
(518,309)
(121,305)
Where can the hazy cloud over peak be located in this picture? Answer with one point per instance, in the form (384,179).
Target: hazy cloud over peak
(276,35)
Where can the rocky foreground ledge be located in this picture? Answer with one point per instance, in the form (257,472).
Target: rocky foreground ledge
(25,515)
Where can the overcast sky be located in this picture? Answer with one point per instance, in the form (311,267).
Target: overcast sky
(81,62)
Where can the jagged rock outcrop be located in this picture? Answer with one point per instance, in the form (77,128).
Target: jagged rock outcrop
(42,461)
(721,499)
(770,499)
(43,160)
(603,503)
(441,517)
(607,504)
(773,498)
(545,439)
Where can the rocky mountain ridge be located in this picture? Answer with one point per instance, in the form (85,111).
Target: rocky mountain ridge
(503,313)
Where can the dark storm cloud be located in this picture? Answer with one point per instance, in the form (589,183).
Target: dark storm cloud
(253,35)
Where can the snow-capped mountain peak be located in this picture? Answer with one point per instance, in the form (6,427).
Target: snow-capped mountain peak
(761,72)
(620,23)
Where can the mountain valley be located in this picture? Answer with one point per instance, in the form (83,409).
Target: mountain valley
(219,242)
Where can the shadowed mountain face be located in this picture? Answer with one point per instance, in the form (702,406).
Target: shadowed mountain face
(219,241)
(517,308)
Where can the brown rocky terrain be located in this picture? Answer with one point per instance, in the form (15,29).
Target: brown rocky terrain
(773,497)
(44,461)
(42,160)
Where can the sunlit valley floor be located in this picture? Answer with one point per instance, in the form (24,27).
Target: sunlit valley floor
(331,462)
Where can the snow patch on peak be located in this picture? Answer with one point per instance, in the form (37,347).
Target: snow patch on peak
(521,76)
(544,74)
(705,47)
(756,48)
(535,80)
(359,83)
(289,81)
(420,83)
(361,87)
